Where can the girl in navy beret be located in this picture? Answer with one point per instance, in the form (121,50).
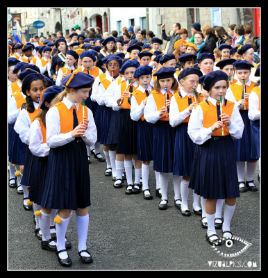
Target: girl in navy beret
(145,58)
(206,62)
(157,112)
(44,63)
(17,50)
(118,98)
(239,93)
(109,46)
(156,43)
(69,127)
(212,126)
(133,51)
(181,106)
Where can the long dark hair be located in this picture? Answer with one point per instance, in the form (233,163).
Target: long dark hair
(28,105)
(42,115)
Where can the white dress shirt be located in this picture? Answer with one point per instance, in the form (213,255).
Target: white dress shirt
(57,139)
(60,74)
(13,111)
(47,66)
(253,106)
(151,114)
(137,111)
(36,145)
(200,134)
(176,117)
(23,123)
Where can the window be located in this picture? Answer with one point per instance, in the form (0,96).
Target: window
(119,27)
(143,23)
(131,22)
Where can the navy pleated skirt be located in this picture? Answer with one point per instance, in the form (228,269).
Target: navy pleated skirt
(127,140)
(98,120)
(16,149)
(163,147)
(105,124)
(243,145)
(114,127)
(145,141)
(183,151)
(214,173)
(25,180)
(255,139)
(67,181)
(37,178)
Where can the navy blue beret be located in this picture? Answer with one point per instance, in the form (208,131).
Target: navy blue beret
(73,34)
(108,39)
(30,66)
(211,78)
(89,54)
(201,79)
(134,46)
(120,54)
(118,40)
(46,41)
(166,58)
(156,40)
(81,36)
(242,64)
(18,66)
(157,58)
(49,94)
(112,57)
(47,48)
(125,42)
(165,72)
(133,41)
(73,53)
(87,46)
(205,55)
(143,70)
(130,63)
(189,71)
(145,53)
(244,48)
(233,50)
(28,79)
(224,62)
(187,57)
(87,40)
(60,40)
(27,47)
(12,61)
(78,80)
(25,72)
(73,44)
(146,46)
(225,45)
(51,44)
(18,46)
(157,52)
(40,50)
(257,72)
(97,48)
(196,26)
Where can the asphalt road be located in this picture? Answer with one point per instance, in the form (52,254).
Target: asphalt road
(127,232)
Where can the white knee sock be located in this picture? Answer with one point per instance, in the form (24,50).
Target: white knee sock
(137,175)
(184,194)
(157,181)
(112,155)
(196,199)
(12,170)
(36,207)
(251,169)
(203,206)
(219,204)
(228,214)
(61,232)
(52,216)
(44,226)
(128,169)
(211,226)
(82,223)
(240,170)
(25,191)
(119,165)
(177,186)
(97,147)
(163,179)
(145,176)
(107,157)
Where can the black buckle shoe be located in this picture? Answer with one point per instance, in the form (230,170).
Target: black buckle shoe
(178,206)
(108,172)
(64,262)
(197,212)
(251,188)
(47,246)
(163,206)
(185,212)
(218,225)
(118,183)
(129,189)
(37,234)
(85,259)
(99,157)
(243,188)
(157,193)
(147,197)
(27,207)
(13,185)
(136,188)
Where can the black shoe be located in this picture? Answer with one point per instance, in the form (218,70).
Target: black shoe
(88,160)
(84,259)
(19,189)
(108,172)
(178,206)
(197,212)
(46,245)
(218,225)
(99,157)
(204,224)
(147,197)
(185,212)
(129,189)
(64,262)
(12,185)
(53,235)
(27,207)
(118,183)
(251,188)
(243,188)
(157,193)
(136,188)
(216,241)
(37,234)
(164,205)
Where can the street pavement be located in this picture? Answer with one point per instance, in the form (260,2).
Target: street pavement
(127,232)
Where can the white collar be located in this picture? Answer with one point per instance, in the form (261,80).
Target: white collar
(69,103)
(213,100)
(36,105)
(19,82)
(163,91)
(239,83)
(68,67)
(184,94)
(140,88)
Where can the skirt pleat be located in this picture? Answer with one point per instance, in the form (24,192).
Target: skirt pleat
(114,127)
(183,151)
(214,174)
(163,147)
(145,141)
(255,139)
(127,139)
(105,124)
(98,121)
(25,180)
(67,181)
